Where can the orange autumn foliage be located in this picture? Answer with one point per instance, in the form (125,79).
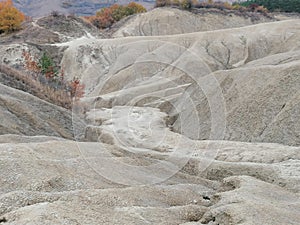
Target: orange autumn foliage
(77,89)
(29,62)
(10,17)
(106,17)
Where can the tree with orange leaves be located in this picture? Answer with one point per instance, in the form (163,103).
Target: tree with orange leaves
(10,17)
(106,17)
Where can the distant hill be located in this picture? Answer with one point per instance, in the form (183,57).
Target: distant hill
(38,8)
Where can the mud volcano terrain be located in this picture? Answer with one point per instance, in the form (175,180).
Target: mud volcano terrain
(186,119)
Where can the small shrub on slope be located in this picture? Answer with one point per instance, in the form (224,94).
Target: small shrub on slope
(51,78)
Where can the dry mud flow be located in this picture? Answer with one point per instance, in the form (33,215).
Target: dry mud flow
(186,119)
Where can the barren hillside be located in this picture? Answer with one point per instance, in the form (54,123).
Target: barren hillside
(186,119)
(237,71)
(169,21)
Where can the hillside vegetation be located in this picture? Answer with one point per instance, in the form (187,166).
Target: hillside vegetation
(106,17)
(221,5)
(274,5)
(10,17)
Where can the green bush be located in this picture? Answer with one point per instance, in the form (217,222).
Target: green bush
(47,66)
(275,5)
(120,13)
(186,4)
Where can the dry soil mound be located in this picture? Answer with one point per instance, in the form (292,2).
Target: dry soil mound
(168,21)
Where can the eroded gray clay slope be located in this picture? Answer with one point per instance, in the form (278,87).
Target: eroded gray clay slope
(57,182)
(169,21)
(24,114)
(237,84)
(242,83)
